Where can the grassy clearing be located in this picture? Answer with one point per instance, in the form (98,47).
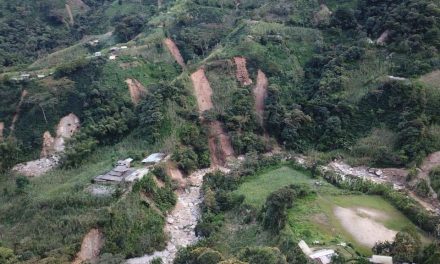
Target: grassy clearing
(312,218)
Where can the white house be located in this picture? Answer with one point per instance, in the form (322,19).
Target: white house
(376,259)
(154,158)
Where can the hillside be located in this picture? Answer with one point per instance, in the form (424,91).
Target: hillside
(348,85)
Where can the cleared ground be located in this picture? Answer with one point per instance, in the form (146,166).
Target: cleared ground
(332,215)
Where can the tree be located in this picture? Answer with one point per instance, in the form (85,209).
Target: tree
(7,256)
(406,246)
(262,255)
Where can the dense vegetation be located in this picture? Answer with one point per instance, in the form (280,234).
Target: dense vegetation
(330,69)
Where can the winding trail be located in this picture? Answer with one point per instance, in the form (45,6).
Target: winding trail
(181,222)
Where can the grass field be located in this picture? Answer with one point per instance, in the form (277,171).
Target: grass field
(313,218)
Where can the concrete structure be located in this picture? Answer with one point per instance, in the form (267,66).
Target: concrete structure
(154,158)
(41,76)
(124,47)
(112,57)
(98,54)
(381,259)
(323,256)
(118,174)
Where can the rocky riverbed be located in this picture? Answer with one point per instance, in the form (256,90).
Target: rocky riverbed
(181,222)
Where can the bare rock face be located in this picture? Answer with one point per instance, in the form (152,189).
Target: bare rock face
(48,145)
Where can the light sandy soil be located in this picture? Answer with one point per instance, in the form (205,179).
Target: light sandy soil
(202,90)
(363,225)
(260,94)
(24,93)
(2,127)
(90,247)
(37,167)
(432,78)
(48,145)
(383,38)
(181,222)
(242,73)
(174,50)
(136,89)
(69,13)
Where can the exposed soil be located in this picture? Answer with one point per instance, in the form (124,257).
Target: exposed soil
(36,168)
(363,225)
(432,78)
(90,247)
(69,13)
(2,127)
(136,89)
(174,50)
(432,161)
(176,175)
(24,93)
(48,145)
(383,38)
(323,15)
(66,128)
(219,144)
(242,73)
(260,94)
(202,90)
(181,222)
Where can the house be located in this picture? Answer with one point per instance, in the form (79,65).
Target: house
(154,158)
(40,76)
(98,54)
(304,247)
(94,42)
(118,173)
(25,76)
(376,259)
(112,57)
(124,47)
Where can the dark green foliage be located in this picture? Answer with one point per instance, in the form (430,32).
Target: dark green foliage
(7,256)
(9,154)
(129,26)
(21,182)
(198,255)
(274,212)
(262,255)
(434,177)
(422,188)
(164,198)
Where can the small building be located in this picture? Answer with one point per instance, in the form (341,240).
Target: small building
(40,76)
(154,158)
(94,42)
(112,57)
(25,76)
(97,54)
(124,47)
(396,78)
(118,173)
(304,247)
(376,259)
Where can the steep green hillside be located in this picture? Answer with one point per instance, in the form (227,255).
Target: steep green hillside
(352,78)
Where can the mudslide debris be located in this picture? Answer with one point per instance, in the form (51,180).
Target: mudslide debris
(174,50)
(260,94)
(90,247)
(242,73)
(136,89)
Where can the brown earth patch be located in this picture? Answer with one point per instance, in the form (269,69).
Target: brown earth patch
(242,73)
(90,247)
(322,16)
(174,50)
(219,142)
(24,93)
(136,89)
(260,94)
(176,175)
(2,127)
(382,40)
(202,89)
(66,128)
(432,79)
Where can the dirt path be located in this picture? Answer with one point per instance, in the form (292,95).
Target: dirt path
(219,142)
(181,222)
(90,247)
(174,50)
(24,93)
(364,225)
(242,73)
(260,94)
(136,89)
